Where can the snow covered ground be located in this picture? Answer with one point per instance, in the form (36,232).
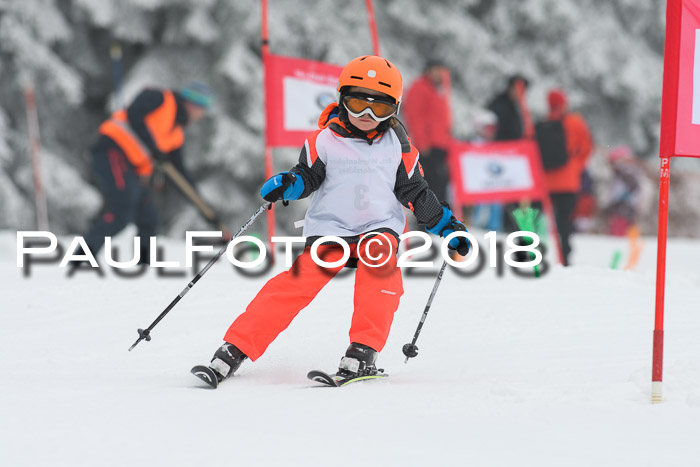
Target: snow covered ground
(511,371)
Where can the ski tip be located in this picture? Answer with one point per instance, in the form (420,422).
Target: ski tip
(206,374)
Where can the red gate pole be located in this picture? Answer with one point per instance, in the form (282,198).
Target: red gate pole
(372,27)
(658,355)
(42,217)
(268,150)
(447,89)
(667,140)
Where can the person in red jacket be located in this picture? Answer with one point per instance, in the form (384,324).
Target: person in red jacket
(426,112)
(564,183)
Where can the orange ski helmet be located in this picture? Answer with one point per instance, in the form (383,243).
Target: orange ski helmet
(375,73)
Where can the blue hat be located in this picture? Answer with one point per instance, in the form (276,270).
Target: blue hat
(199,94)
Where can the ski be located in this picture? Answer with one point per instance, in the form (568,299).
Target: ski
(337,381)
(206,374)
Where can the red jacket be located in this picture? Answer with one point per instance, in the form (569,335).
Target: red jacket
(425,111)
(567,179)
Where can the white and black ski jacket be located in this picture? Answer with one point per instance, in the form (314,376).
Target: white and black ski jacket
(360,182)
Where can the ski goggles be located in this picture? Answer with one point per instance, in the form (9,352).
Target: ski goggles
(379,109)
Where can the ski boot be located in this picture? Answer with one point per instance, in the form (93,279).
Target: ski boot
(227,359)
(356,365)
(358,361)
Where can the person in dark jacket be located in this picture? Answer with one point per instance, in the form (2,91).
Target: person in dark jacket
(507,107)
(149,130)
(509,113)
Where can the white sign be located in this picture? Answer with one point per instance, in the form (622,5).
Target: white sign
(488,173)
(304,101)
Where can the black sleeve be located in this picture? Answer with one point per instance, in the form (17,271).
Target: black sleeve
(415,194)
(311,176)
(145,103)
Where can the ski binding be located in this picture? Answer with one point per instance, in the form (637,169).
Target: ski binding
(337,381)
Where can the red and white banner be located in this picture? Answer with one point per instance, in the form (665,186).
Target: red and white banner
(507,171)
(296,92)
(680,111)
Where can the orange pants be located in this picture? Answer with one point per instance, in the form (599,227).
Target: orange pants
(377,294)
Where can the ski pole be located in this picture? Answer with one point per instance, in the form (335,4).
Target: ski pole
(42,218)
(146,333)
(411,350)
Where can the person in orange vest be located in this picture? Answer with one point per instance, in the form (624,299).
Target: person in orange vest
(362,170)
(564,181)
(130,142)
(426,112)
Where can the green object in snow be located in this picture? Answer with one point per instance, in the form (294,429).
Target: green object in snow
(529,220)
(617,256)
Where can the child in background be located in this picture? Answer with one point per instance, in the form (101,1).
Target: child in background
(585,211)
(623,208)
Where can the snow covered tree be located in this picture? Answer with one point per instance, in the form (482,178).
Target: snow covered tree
(607,54)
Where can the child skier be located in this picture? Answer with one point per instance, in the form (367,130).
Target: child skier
(362,168)
(625,203)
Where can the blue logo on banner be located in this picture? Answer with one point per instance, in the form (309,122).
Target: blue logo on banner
(495,168)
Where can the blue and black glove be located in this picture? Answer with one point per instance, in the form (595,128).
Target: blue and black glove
(285,186)
(448,224)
